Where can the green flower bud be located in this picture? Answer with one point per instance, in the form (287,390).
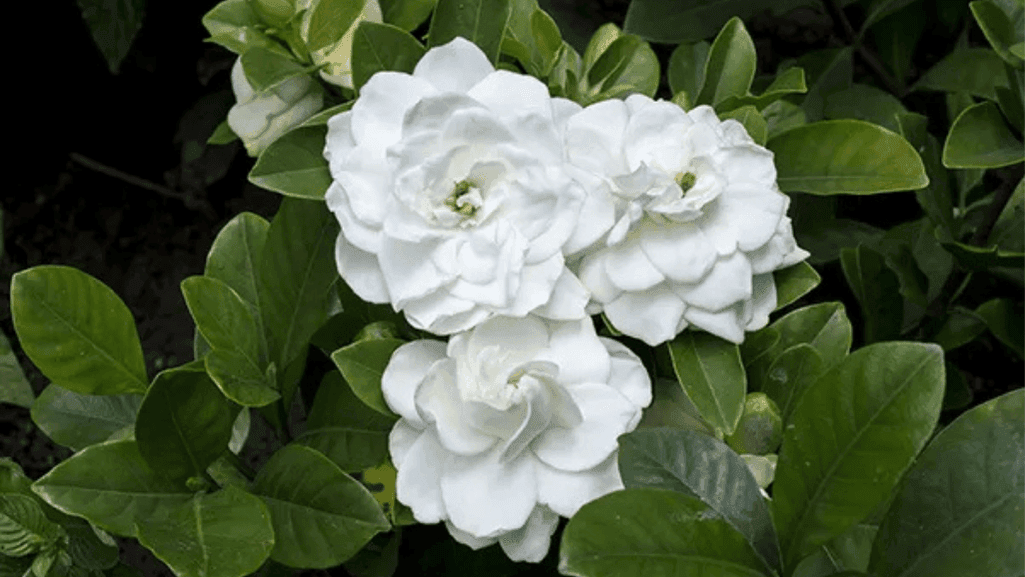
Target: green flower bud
(378,330)
(760,430)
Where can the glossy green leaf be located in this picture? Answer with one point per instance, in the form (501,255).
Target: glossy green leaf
(959,510)
(223,534)
(974,257)
(845,157)
(754,123)
(265,68)
(850,439)
(14,387)
(482,22)
(864,102)
(654,533)
(1008,232)
(1002,22)
(330,20)
(980,138)
(321,516)
(705,468)
(1004,318)
(687,68)
(937,198)
(626,65)
(959,328)
(222,134)
(344,429)
(879,9)
(671,408)
(711,373)
(957,394)
(792,373)
(77,331)
(675,21)
(24,529)
(977,71)
(377,47)
(876,288)
(1012,99)
(294,164)
(321,118)
(531,37)
(847,554)
(789,81)
(895,38)
(113,24)
(110,485)
(730,67)
(77,421)
(234,25)
(781,116)
(297,270)
(362,364)
(235,255)
(184,424)
(829,70)
(794,282)
(406,14)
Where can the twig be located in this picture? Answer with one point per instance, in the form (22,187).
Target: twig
(871,60)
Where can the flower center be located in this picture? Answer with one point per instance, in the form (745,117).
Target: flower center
(465,199)
(686,181)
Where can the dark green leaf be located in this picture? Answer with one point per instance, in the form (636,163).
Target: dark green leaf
(330,20)
(482,22)
(781,116)
(980,138)
(876,288)
(702,467)
(235,254)
(851,437)
(1004,318)
(794,282)
(377,47)
(14,387)
(790,375)
(1002,22)
(978,258)
(711,373)
(265,68)
(24,529)
(687,68)
(222,134)
(532,37)
(77,421)
(936,199)
(752,120)
(626,65)
(675,21)
(789,81)
(233,24)
(110,485)
(829,70)
(321,118)
(957,395)
(77,331)
(224,534)
(321,516)
(895,38)
(184,424)
(960,328)
(649,532)
(113,24)
(847,554)
(977,71)
(730,67)
(879,9)
(406,14)
(294,164)
(345,429)
(362,364)
(863,102)
(845,157)
(1008,232)
(959,509)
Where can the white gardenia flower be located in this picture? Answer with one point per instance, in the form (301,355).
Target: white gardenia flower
(700,222)
(509,426)
(453,195)
(259,118)
(337,58)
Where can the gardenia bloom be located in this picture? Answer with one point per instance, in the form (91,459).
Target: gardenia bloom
(337,58)
(511,425)
(453,195)
(700,222)
(259,118)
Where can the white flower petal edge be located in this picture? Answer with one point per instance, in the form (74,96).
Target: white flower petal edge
(454,196)
(700,223)
(259,118)
(511,425)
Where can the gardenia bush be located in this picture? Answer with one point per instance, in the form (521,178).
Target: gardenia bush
(560,302)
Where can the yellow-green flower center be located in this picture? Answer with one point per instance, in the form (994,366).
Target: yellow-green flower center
(461,201)
(686,180)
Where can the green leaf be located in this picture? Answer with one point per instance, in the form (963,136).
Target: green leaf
(88,546)
(321,118)
(935,199)
(224,534)
(847,554)
(730,67)
(24,529)
(330,20)
(960,328)
(362,364)
(184,424)
(792,373)
(234,25)
(977,71)
(1003,318)
(482,22)
(864,102)
(532,37)
(377,47)
(675,21)
(294,164)
(851,437)
(879,9)
(113,25)
(781,116)
(345,429)
(752,120)
(406,14)
(980,138)
(711,373)
(789,81)
(1008,232)
(110,485)
(265,68)
(14,387)
(77,421)
(626,65)
(1002,21)
(678,460)
(77,331)
(321,516)
(648,532)
(845,157)
(235,254)
(687,68)
(959,509)
(896,37)
(957,394)
(794,282)
(876,288)
(222,134)
(829,70)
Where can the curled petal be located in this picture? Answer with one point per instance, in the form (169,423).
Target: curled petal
(361,271)
(606,413)
(530,543)
(628,375)
(453,67)
(441,405)
(565,492)
(652,315)
(484,496)
(406,369)
(418,483)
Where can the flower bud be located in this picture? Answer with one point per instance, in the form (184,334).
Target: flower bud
(378,330)
(760,430)
(338,58)
(259,118)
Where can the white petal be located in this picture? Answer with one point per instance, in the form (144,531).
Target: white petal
(362,235)
(594,137)
(510,94)
(754,212)
(443,314)
(530,543)
(679,250)
(592,274)
(338,142)
(453,67)
(520,335)
(574,347)
(628,375)
(597,213)
(418,483)
(751,164)
(485,497)
(537,281)
(568,301)
(652,315)
(606,414)
(726,323)
(629,268)
(400,440)
(467,539)
(361,271)
(727,283)
(565,492)
(440,403)
(378,112)
(409,270)
(763,301)
(406,369)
